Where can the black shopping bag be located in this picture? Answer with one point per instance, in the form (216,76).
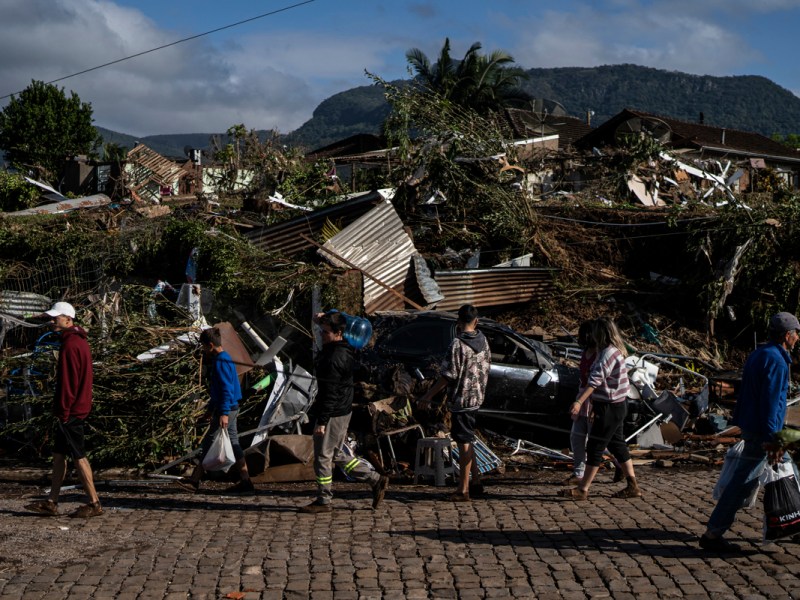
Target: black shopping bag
(781,506)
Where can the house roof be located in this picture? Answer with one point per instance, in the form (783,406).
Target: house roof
(683,134)
(360,143)
(527,124)
(149,165)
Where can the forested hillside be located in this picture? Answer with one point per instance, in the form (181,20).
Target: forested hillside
(749,103)
(359,110)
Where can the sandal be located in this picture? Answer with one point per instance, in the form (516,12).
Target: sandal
(574,494)
(628,492)
(48,508)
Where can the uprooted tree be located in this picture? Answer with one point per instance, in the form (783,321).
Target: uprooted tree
(256,166)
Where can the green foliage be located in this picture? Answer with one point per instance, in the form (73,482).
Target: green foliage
(453,149)
(160,421)
(639,148)
(114,152)
(479,82)
(29,238)
(792,140)
(255,165)
(15,192)
(768,279)
(43,126)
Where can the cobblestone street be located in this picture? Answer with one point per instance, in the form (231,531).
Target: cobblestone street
(156,541)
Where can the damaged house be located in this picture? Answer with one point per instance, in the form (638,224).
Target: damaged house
(726,158)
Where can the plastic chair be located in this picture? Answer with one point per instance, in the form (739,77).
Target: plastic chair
(434,459)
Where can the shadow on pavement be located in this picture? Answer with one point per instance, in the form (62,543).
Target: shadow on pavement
(652,542)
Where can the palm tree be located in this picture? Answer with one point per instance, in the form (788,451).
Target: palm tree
(483,83)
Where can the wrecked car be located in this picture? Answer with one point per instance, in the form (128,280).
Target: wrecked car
(526,384)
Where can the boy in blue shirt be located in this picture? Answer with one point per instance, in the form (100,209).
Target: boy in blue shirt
(223,407)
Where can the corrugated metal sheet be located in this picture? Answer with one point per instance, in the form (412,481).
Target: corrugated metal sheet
(427,285)
(493,287)
(378,244)
(285,237)
(23,304)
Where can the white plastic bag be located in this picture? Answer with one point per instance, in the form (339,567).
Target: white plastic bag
(220,456)
(728,467)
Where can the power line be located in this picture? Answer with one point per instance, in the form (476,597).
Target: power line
(193,37)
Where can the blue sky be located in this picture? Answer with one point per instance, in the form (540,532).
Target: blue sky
(273,72)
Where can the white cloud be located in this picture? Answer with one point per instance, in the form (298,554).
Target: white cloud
(645,36)
(265,81)
(277,77)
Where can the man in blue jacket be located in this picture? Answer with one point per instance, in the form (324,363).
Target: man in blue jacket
(759,413)
(223,407)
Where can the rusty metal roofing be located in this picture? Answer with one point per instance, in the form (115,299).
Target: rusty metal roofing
(285,237)
(148,165)
(378,244)
(494,287)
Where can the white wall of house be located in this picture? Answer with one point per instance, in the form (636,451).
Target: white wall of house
(213,175)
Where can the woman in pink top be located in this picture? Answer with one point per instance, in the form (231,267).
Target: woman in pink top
(608,387)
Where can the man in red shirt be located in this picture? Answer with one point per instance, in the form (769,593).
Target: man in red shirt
(71,405)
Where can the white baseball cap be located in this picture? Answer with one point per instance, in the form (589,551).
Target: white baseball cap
(61,308)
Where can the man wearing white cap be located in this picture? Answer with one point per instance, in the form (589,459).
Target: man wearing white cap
(72,403)
(760,411)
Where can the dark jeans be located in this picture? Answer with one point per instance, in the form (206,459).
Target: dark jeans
(233,433)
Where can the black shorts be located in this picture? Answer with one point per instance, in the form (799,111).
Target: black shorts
(462,427)
(69,439)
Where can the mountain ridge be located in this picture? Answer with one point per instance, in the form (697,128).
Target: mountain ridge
(744,102)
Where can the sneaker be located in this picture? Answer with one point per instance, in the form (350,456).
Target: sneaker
(316,507)
(245,487)
(379,491)
(88,510)
(47,508)
(718,545)
(476,490)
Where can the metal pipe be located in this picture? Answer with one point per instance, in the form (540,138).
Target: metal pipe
(658,417)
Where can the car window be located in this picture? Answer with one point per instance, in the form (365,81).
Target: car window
(507,350)
(419,339)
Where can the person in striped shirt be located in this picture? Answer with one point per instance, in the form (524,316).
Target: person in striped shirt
(608,388)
